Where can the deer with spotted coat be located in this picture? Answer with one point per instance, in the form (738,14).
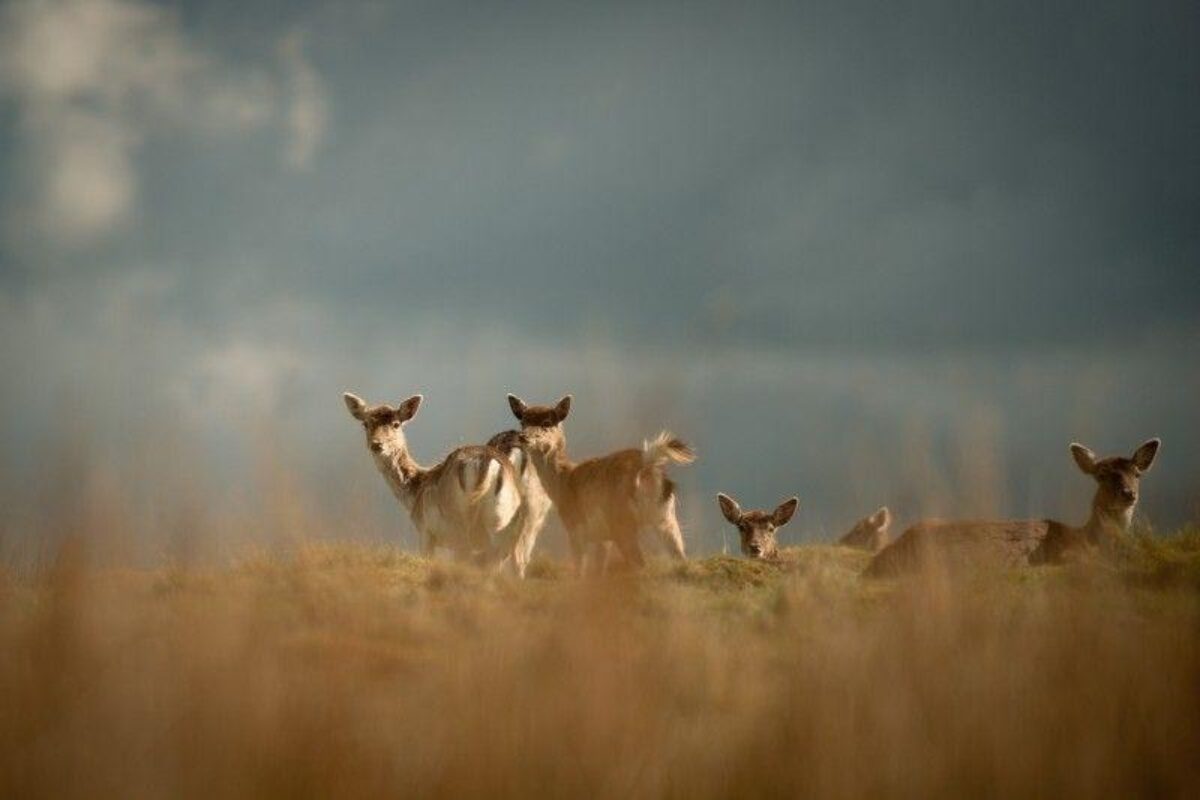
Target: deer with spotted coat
(467,502)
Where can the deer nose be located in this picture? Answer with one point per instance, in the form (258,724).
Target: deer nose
(376,447)
(1129,494)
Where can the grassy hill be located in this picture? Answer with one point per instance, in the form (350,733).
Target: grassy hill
(347,670)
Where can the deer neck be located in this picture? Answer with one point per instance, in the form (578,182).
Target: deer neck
(1106,523)
(552,470)
(403,475)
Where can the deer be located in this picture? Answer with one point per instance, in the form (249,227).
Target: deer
(757,529)
(870,533)
(466,502)
(606,499)
(1015,543)
(535,505)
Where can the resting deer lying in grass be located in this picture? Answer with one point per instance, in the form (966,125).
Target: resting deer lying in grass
(1013,543)
(1118,480)
(869,533)
(757,529)
(464,503)
(605,499)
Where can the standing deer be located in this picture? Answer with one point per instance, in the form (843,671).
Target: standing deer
(605,499)
(1012,543)
(465,503)
(757,529)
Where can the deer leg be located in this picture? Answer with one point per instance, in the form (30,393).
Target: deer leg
(671,536)
(577,551)
(631,551)
(606,551)
(598,557)
(523,548)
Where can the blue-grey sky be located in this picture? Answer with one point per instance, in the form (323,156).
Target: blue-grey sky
(863,254)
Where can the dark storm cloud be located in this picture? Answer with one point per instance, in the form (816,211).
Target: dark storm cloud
(811,174)
(674,210)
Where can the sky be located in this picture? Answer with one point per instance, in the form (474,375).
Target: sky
(863,255)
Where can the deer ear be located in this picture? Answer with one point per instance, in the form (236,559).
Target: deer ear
(517,405)
(563,408)
(1143,457)
(408,409)
(355,405)
(784,511)
(1085,458)
(730,508)
(881,518)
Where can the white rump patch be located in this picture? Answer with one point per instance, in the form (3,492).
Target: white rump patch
(489,475)
(508,501)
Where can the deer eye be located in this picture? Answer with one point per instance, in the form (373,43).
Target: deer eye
(395,423)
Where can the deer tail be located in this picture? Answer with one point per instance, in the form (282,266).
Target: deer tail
(666,449)
(492,477)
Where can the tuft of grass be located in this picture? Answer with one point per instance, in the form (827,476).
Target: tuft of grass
(547,569)
(726,572)
(1162,560)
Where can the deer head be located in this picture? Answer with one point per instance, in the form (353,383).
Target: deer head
(758,528)
(541,426)
(383,424)
(1117,478)
(870,532)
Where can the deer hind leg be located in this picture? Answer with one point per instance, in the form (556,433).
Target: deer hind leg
(535,520)
(666,525)
(427,544)
(596,558)
(631,551)
(532,520)
(672,537)
(621,528)
(522,548)
(578,550)
(508,548)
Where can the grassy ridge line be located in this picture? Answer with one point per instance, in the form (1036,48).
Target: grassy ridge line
(1143,559)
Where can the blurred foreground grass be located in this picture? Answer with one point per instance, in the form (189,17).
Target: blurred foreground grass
(350,670)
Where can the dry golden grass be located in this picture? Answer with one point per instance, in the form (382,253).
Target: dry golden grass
(346,670)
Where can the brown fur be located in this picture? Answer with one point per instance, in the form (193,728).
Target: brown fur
(446,501)
(608,498)
(1014,543)
(757,530)
(535,504)
(870,533)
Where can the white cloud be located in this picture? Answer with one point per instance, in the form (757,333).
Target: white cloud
(93,79)
(308,112)
(86,176)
